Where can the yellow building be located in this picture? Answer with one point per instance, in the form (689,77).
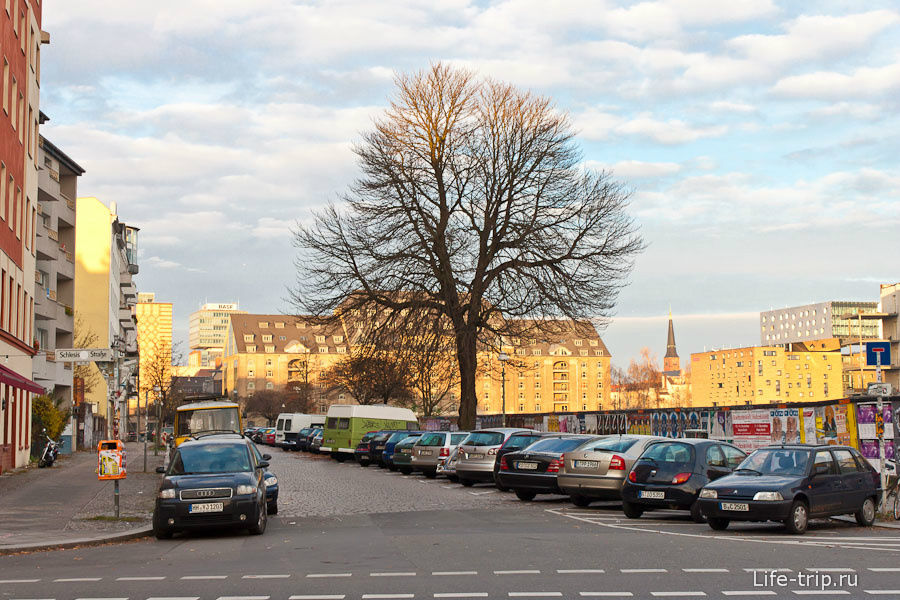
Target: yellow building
(154,337)
(568,374)
(767,374)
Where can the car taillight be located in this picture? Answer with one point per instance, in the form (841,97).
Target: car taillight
(503,465)
(492,452)
(616,463)
(632,477)
(681,478)
(555,464)
(444,452)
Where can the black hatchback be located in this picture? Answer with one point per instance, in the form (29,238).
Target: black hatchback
(534,470)
(671,473)
(215,481)
(793,483)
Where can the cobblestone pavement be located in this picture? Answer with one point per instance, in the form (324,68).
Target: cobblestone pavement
(316,486)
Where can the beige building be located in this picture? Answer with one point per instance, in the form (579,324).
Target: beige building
(767,374)
(154,338)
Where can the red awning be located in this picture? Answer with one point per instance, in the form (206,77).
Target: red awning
(10,377)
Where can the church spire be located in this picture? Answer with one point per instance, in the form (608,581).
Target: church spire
(671,361)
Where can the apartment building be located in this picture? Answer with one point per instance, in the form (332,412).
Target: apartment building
(208,331)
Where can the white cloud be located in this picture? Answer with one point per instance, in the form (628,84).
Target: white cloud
(829,85)
(670,131)
(270,227)
(155,262)
(636,169)
(732,107)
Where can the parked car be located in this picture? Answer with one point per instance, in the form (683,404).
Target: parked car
(269,439)
(315,442)
(447,466)
(597,470)
(212,482)
(271,482)
(533,471)
(402,458)
(478,452)
(432,447)
(346,424)
(289,424)
(515,442)
(387,454)
(377,444)
(793,483)
(259,436)
(670,474)
(301,437)
(363,454)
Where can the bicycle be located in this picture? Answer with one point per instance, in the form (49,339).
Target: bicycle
(892,498)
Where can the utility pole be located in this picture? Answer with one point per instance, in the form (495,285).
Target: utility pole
(146,423)
(503,357)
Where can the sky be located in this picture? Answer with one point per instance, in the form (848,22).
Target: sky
(759,138)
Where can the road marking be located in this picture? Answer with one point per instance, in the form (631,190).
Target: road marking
(160,578)
(706,570)
(322,575)
(770,570)
(19,580)
(454,572)
(535,594)
(749,593)
(408,574)
(483,493)
(885,569)
(822,592)
(463,595)
(174,598)
(525,572)
(74,579)
(320,597)
(126,598)
(832,569)
(573,571)
(202,577)
(279,576)
(606,594)
(387,596)
(242,598)
(643,570)
(882,592)
(677,594)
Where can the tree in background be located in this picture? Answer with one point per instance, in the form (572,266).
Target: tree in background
(475,203)
(644,379)
(371,375)
(85,337)
(270,403)
(156,380)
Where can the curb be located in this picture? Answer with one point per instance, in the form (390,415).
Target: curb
(80,542)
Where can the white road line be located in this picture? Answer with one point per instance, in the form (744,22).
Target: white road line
(75,579)
(883,592)
(408,574)
(483,493)
(174,598)
(885,569)
(770,570)
(678,594)
(454,573)
(243,598)
(203,577)
(821,592)
(278,576)
(387,596)
(19,580)
(462,595)
(524,572)
(159,578)
(643,570)
(706,570)
(126,598)
(535,594)
(573,571)
(324,575)
(749,593)
(448,487)
(606,594)
(319,597)
(832,569)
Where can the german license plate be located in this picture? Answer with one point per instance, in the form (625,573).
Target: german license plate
(364,456)
(526,466)
(652,495)
(587,464)
(738,506)
(425,453)
(207,507)
(474,456)
(405,451)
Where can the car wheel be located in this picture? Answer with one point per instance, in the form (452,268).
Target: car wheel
(718,524)
(453,478)
(393,468)
(696,515)
(161,531)
(406,470)
(364,463)
(865,516)
(466,482)
(631,510)
(525,496)
(340,458)
(581,501)
(798,520)
(430,474)
(272,508)
(259,527)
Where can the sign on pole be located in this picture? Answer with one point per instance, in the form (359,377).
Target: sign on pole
(84,355)
(878,353)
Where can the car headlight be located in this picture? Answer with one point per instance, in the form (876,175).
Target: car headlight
(707,493)
(768,496)
(243,490)
(167,494)
(270,481)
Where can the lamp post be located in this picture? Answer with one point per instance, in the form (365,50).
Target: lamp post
(503,357)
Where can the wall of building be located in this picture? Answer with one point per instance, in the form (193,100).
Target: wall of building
(154,337)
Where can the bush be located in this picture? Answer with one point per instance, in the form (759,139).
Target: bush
(46,414)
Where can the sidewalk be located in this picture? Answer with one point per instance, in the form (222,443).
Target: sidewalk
(67,505)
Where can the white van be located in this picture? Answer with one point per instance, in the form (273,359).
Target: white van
(290,424)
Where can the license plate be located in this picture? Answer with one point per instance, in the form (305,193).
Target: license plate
(587,464)
(474,456)
(425,452)
(527,466)
(364,456)
(652,495)
(405,451)
(379,447)
(207,507)
(739,506)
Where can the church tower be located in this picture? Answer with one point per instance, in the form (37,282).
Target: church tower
(671,363)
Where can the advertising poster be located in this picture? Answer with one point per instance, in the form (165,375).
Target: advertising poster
(808,425)
(721,427)
(835,425)
(552,422)
(869,449)
(639,424)
(590,424)
(752,429)
(865,418)
(705,421)
(693,421)
(663,429)
(785,425)
(654,419)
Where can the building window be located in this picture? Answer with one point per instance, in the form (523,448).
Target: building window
(342,350)
(248,337)
(270,385)
(320,339)
(251,385)
(338,339)
(267,337)
(263,324)
(279,325)
(270,349)
(323,349)
(578,342)
(269,373)
(251,348)
(537,406)
(536,352)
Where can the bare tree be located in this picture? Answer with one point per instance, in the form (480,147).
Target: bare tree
(270,403)
(645,378)
(85,337)
(370,375)
(155,377)
(474,199)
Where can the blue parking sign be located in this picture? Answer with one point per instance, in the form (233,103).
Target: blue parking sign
(874,349)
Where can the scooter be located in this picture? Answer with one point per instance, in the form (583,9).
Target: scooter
(51,451)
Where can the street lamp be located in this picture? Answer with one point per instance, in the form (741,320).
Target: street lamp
(503,357)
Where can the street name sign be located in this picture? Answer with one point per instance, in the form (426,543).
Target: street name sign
(84,355)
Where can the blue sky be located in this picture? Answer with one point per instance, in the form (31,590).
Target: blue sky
(759,137)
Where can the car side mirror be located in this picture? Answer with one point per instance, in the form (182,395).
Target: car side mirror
(160,469)
(267,457)
(262,465)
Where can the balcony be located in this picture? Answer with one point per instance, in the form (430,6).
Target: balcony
(126,319)
(52,234)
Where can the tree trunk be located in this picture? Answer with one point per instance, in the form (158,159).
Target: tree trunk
(467,355)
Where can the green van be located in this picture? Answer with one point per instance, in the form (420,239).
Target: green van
(346,424)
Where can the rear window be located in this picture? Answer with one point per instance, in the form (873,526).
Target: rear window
(484,438)
(368,437)
(556,445)
(331,423)
(280,425)
(409,441)
(432,439)
(670,452)
(305,430)
(519,442)
(396,437)
(381,437)
(287,425)
(611,445)
(457,438)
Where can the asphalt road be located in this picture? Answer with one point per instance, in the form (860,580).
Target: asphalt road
(489,546)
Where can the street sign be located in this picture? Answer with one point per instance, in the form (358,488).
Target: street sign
(876,351)
(84,355)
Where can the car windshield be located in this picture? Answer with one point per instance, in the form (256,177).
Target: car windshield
(431,439)
(781,461)
(484,438)
(381,437)
(212,458)
(396,437)
(556,445)
(669,452)
(519,442)
(614,444)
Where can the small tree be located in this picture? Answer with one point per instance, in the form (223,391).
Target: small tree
(370,375)
(271,403)
(156,378)
(46,413)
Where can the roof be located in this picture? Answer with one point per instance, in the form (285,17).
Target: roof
(217,439)
(372,411)
(207,404)
(61,156)
(670,342)
(299,333)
